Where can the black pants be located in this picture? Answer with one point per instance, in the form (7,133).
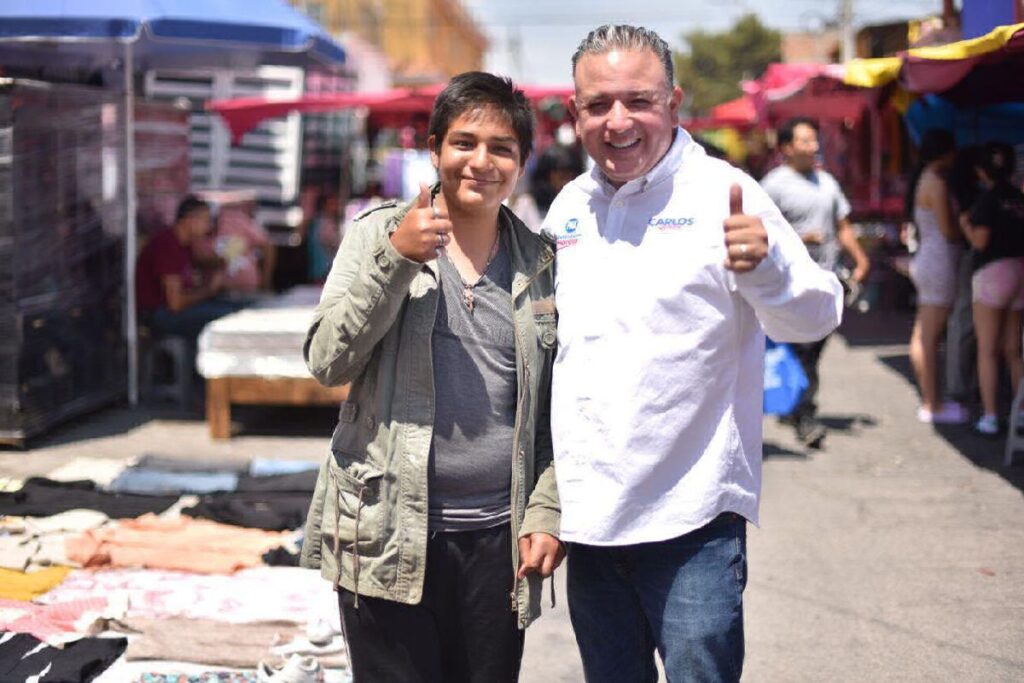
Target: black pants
(809,356)
(463,630)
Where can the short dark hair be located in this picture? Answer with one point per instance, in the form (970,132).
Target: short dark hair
(476,89)
(784,135)
(998,161)
(188,206)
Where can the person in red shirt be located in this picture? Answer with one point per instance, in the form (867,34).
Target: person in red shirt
(169,296)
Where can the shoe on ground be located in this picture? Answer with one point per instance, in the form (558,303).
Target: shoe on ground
(319,632)
(297,669)
(987,425)
(950,413)
(810,432)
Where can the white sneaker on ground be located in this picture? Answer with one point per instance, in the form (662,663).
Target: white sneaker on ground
(987,425)
(950,413)
(297,669)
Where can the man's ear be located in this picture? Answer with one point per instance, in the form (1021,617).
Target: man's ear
(675,99)
(575,114)
(435,159)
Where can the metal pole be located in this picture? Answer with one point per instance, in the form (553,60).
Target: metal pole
(847,31)
(131,323)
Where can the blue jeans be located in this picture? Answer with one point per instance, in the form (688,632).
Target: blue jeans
(683,597)
(189,322)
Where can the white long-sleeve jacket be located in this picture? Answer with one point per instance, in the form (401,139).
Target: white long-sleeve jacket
(658,381)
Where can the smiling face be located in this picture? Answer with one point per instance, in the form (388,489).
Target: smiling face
(625,112)
(478,161)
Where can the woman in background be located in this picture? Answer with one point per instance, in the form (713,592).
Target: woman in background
(933,270)
(996,233)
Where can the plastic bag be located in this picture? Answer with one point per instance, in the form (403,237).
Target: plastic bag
(784,379)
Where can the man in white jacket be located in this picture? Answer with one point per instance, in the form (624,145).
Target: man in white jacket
(671,266)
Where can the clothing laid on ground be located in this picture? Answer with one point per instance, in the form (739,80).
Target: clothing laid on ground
(933,268)
(102,471)
(24,658)
(368,523)
(206,677)
(474,356)
(29,543)
(285,594)
(1001,210)
(151,481)
(196,545)
(302,481)
(213,642)
(657,389)
(164,255)
(44,497)
(263,467)
(20,585)
(60,622)
(812,203)
(167,463)
(272,511)
(462,630)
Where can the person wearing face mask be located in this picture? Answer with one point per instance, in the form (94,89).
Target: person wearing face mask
(814,204)
(671,266)
(436,513)
(995,231)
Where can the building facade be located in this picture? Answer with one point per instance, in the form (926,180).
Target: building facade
(425,41)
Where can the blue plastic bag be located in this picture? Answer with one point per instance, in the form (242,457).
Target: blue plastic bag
(784,379)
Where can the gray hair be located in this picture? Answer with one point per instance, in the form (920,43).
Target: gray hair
(610,37)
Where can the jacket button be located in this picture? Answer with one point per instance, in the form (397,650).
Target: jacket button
(548,337)
(369,422)
(382,261)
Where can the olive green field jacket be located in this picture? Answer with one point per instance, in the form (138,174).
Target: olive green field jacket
(367,524)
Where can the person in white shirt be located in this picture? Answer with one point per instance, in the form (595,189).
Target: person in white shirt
(670,267)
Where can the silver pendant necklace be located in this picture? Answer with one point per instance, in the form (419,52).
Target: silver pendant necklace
(467,289)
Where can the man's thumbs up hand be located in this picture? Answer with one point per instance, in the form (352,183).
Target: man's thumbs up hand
(746,240)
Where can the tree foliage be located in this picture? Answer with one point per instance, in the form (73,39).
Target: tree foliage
(716,63)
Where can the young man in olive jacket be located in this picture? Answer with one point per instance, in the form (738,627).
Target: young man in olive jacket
(436,512)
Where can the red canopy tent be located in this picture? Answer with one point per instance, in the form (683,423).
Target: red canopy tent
(396,105)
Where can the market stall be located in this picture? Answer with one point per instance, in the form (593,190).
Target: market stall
(108,37)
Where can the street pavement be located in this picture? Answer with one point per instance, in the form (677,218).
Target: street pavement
(896,553)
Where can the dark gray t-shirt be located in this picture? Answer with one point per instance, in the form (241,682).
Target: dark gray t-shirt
(470,471)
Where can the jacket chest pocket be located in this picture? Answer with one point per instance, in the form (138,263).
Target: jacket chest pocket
(353,508)
(545,322)
(547,333)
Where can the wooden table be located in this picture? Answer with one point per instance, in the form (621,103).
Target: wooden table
(222,392)
(254,357)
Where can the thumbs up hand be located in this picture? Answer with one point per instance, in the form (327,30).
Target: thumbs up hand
(424,231)
(746,240)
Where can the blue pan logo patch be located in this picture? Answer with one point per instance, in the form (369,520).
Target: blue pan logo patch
(569,235)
